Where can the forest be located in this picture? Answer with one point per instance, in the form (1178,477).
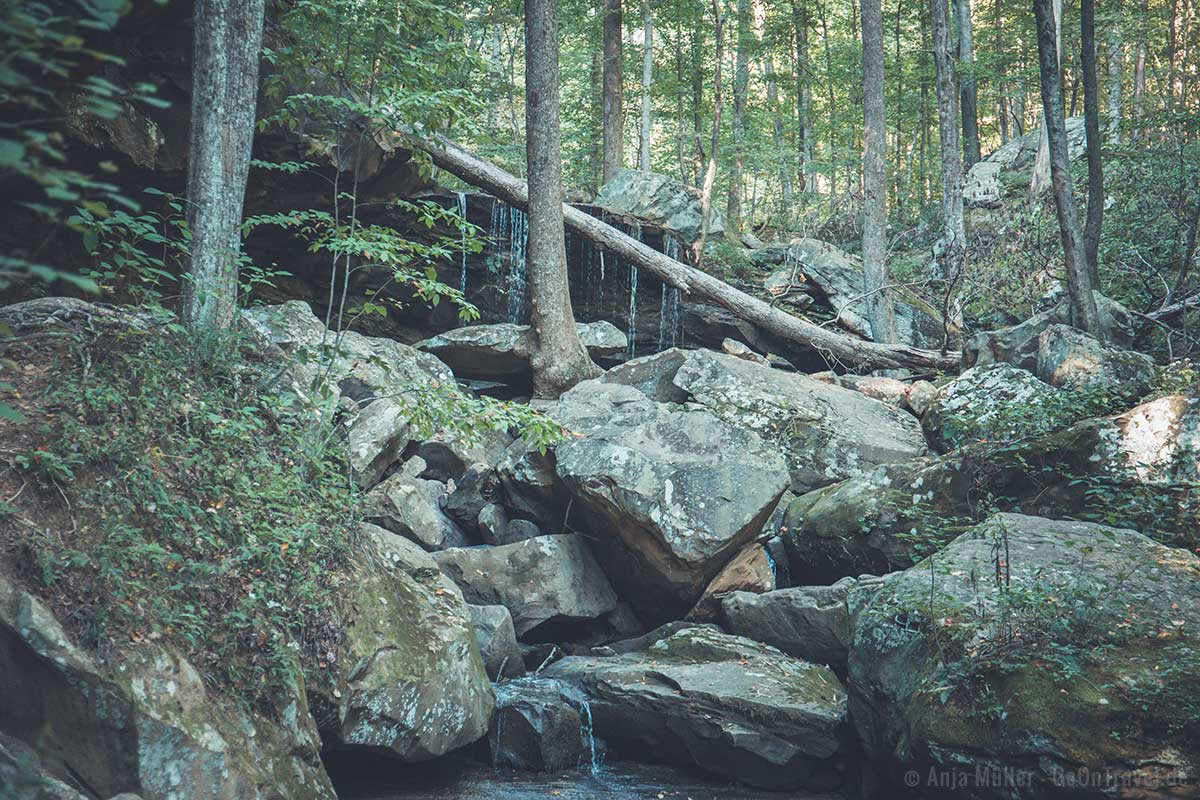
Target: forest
(473,399)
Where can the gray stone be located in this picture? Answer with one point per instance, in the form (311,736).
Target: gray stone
(449,455)
(1114,608)
(497,640)
(412,507)
(920,396)
(476,487)
(148,723)
(518,530)
(660,200)
(809,622)
(997,402)
(668,494)
(502,351)
(492,521)
(538,580)
(722,703)
(1068,357)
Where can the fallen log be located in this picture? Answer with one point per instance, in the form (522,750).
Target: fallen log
(835,347)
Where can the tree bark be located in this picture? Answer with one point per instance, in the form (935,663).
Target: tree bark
(778,137)
(968,96)
(954,235)
(226,46)
(689,280)
(559,359)
(803,94)
(874,233)
(613,102)
(698,93)
(647,77)
(710,173)
(741,80)
(1079,284)
(1041,164)
(1091,120)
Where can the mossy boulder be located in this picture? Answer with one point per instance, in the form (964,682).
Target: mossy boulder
(996,402)
(1140,469)
(411,682)
(1030,654)
(144,722)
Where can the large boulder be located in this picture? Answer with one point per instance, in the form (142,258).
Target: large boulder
(811,268)
(373,375)
(412,507)
(412,684)
(809,622)
(660,200)
(497,640)
(502,351)
(725,704)
(1138,469)
(668,493)
(1007,171)
(1068,357)
(547,579)
(1053,652)
(997,403)
(145,724)
(825,432)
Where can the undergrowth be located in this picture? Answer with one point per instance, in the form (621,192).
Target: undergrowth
(190,507)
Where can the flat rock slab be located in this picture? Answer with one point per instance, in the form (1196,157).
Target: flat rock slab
(502,351)
(723,703)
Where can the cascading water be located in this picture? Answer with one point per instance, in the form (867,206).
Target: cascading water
(514,690)
(587,730)
(631,332)
(669,311)
(518,237)
(462,212)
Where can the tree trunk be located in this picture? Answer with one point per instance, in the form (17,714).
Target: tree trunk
(824,9)
(1091,119)
(741,80)
(647,76)
(968,95)
(1041,163)
(227,43)
(778,138)
(874,232)
(923,118)
(1079,284)
(710,174)
(613,110)
(1116,81)
(689,280)
(559,359)
(803,94)
(954,235)
(698,93)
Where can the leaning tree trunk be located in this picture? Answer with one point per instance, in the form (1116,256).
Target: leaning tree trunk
(227,41)
(954,236)
(838,348)
(874,232)
(968,95)
(612,109)
(1091,118)
(559,359)
(1079,283)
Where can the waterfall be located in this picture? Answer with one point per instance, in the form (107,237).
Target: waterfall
(631,332)
(577,698)
(669,311)
(462,212)
(496,233)
(517,279)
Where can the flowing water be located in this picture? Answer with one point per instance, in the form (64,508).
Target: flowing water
(516,281)
(462,212)
(670,307)
(451,778)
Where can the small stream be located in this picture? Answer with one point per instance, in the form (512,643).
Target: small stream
(462,779)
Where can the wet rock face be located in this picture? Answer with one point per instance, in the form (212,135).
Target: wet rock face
(547,579)
(502,351)
(997,403)
(1120,708)
(148,725)
(725,704)
(413,684)
(660,200)
(538,726)
(497,640)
